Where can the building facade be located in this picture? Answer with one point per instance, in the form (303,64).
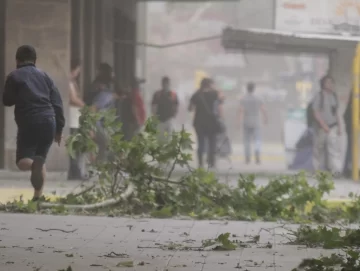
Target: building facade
(92,30)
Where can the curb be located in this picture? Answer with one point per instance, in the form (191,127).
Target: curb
(62,176)
(11,194)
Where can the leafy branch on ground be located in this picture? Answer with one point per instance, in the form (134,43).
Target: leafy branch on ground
(347,261)
(327,237)
(138,179)
(342,238)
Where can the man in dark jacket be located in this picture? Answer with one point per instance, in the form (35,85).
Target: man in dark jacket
(38,114)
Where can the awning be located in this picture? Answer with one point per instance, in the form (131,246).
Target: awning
(279,41)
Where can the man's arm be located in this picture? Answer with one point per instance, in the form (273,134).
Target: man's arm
(221,96)
(316,108)
(74,98)
(57,104)
(264,112)
(338,119)
(191,104)
(176,105)
(9,95)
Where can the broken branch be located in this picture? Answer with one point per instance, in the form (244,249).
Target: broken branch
(129,190)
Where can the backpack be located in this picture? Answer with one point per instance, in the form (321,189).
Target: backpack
(310,117)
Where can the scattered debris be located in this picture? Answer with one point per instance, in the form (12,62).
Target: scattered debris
(116,255)
(130,227)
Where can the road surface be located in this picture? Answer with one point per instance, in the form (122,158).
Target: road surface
(51,243)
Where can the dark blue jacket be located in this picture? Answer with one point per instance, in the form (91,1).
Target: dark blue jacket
(34,95)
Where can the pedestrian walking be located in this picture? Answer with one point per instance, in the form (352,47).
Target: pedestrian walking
(206,102)
(165,106)
(251,109)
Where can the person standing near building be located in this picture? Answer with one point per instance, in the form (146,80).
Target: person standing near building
(133,110)
(39,115)
(104,74)
(77,164)
(165,106)
(251,109)
(327,127)
(206,102)
(104,100)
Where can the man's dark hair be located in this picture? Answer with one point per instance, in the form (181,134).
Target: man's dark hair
(26,53)
(323,80)
(206,82)
(104,75)
(165,80)
(74,63)
(250,87)
(105,68)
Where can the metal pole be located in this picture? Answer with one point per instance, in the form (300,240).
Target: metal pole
(355,115)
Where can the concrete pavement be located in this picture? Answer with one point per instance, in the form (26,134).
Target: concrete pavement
(51,243)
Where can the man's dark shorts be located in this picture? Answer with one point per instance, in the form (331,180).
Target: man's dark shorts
(35,138)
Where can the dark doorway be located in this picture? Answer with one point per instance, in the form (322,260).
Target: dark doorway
(2,80)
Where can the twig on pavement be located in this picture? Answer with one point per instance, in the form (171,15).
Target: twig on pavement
(65,231)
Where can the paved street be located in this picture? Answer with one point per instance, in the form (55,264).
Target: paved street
(31,242)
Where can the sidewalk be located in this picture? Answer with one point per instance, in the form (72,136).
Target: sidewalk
(224,167)
(10,190)
(31,242)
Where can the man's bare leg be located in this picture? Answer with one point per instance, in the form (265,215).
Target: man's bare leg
(38,173)
(38,193)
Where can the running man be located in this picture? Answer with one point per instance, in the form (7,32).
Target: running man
(38,114)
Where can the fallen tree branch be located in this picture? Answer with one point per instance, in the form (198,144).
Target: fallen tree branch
(46,230)
(129,190)
(82,192)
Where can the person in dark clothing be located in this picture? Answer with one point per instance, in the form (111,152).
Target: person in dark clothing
(204,102)
(165,105)
(38,114)
(132,110)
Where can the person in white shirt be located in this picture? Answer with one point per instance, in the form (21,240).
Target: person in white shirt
(77,165)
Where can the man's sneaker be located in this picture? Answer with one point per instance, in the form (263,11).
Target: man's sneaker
(41,198)
(37,179)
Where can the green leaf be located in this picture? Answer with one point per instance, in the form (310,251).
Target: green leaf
(125,264)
